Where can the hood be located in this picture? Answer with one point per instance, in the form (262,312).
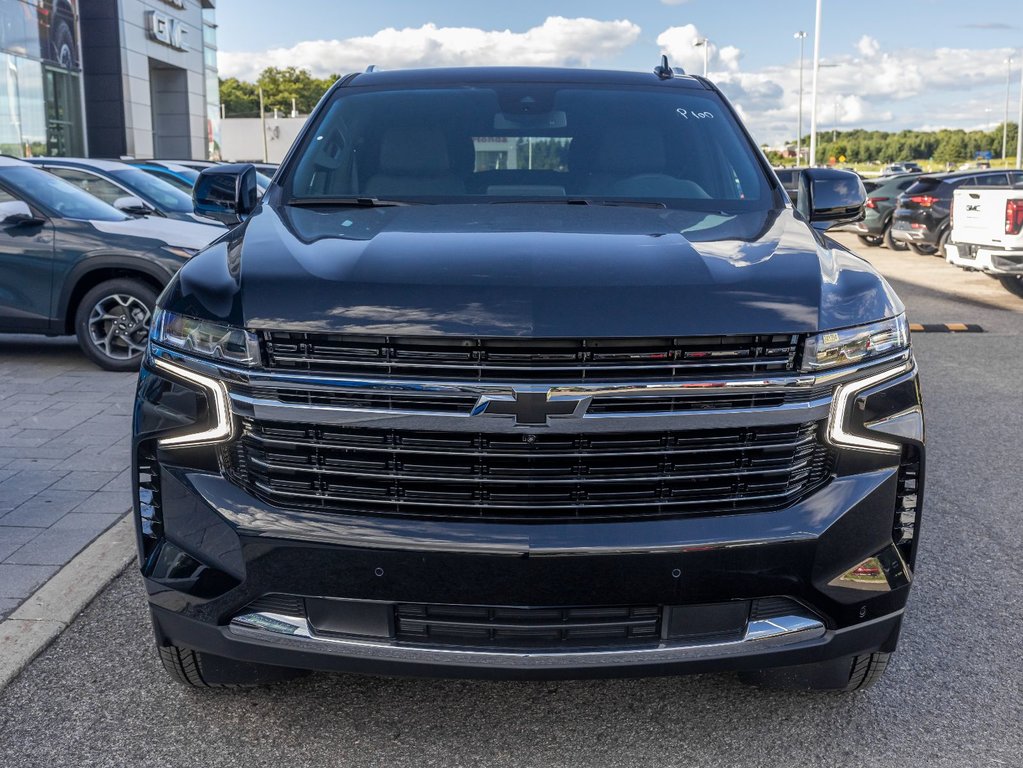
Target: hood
(174,232)
(530,270)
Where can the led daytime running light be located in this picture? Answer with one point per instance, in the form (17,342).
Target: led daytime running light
(837,433)
(223,426)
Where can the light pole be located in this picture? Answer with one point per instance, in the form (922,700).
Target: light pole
(816,70)
(1019,126)
(705,44)
(1005,124)
(801,37)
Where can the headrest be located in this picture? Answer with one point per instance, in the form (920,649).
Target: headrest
(632,149)
(414,151)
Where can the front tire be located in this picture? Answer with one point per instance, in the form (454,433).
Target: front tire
(872,240)
(856,673)
(197,669)
(923,250)
(1012,283)
(112,323)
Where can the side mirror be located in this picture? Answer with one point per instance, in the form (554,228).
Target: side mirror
(16,213)
(828,198)
(226,193)
(133,206)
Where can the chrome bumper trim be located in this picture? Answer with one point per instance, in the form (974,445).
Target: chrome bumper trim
(295,633)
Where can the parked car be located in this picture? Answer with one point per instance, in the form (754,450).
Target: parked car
(789,178)
(127,188)
(903,167)
(876,227)
(922,211)
(184,176)
(987,233)
(614,409)
(70,263)
(176,175)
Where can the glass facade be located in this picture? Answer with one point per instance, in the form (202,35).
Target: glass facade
(40,78)
(209,40)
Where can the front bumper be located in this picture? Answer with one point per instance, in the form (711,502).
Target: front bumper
(211,553)
(993,261)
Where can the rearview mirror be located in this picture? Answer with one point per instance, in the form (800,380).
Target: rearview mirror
(828,198)
(133,206)
(226,193)
(16,213)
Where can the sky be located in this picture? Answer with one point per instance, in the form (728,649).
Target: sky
(887,64)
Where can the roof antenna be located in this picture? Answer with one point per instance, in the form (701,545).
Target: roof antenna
(371,68)
(664,71)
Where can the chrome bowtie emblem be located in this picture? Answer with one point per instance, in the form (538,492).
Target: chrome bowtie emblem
(532,408)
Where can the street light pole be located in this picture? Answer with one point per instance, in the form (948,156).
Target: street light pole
(1005,123)
(816,71)
(705,44)
(1019,126)
(801,37)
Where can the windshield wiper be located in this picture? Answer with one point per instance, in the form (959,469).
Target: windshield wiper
(580,201)
(352,202)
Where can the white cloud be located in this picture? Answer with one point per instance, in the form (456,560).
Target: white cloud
(556,42)
(868,46)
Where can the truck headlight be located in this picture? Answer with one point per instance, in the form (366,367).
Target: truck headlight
(204,338)
(834,349)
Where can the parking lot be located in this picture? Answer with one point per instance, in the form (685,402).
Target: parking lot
(99,697)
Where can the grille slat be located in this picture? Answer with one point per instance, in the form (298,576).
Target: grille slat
(482,359)
(527,476)
(513,627)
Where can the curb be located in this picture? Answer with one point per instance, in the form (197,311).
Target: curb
(37,622)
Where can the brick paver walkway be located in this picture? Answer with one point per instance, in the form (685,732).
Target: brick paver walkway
(64,458)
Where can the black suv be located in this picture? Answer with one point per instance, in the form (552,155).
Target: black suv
(922,216)
(528,372)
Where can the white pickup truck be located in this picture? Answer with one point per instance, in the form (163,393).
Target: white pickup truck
(987,233)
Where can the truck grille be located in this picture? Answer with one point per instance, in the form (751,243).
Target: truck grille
(545,476)
(467,625)
(577,360)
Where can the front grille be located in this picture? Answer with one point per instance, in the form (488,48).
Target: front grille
(521,476)
(468,625)
(577,360)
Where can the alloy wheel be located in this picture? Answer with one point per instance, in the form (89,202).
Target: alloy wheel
(119,326)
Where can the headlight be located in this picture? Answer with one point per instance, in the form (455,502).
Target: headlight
(205,339)
(853,345)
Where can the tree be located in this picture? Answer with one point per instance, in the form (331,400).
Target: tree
(952,147)
(284,87)
(239,99)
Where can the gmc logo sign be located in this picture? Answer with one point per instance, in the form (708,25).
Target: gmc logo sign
(163,29)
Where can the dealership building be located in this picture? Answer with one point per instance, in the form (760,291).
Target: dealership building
(107,78)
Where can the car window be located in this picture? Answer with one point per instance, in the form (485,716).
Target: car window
(7,197)
(156,191)
(174,180)
(508,141)
(906,184)
(95,185)
(58,196)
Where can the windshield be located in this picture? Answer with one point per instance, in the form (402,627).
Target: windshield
(545,141)
(58,196)
(153,190)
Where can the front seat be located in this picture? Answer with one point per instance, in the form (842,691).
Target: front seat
(414,161)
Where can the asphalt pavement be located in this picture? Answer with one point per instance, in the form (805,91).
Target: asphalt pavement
(952,697)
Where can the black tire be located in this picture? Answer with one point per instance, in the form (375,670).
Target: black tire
(844,675)
(942,242)
(204,670)
(1012,283)
(123,304)
(891,242)
(873,241)
(923,250)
